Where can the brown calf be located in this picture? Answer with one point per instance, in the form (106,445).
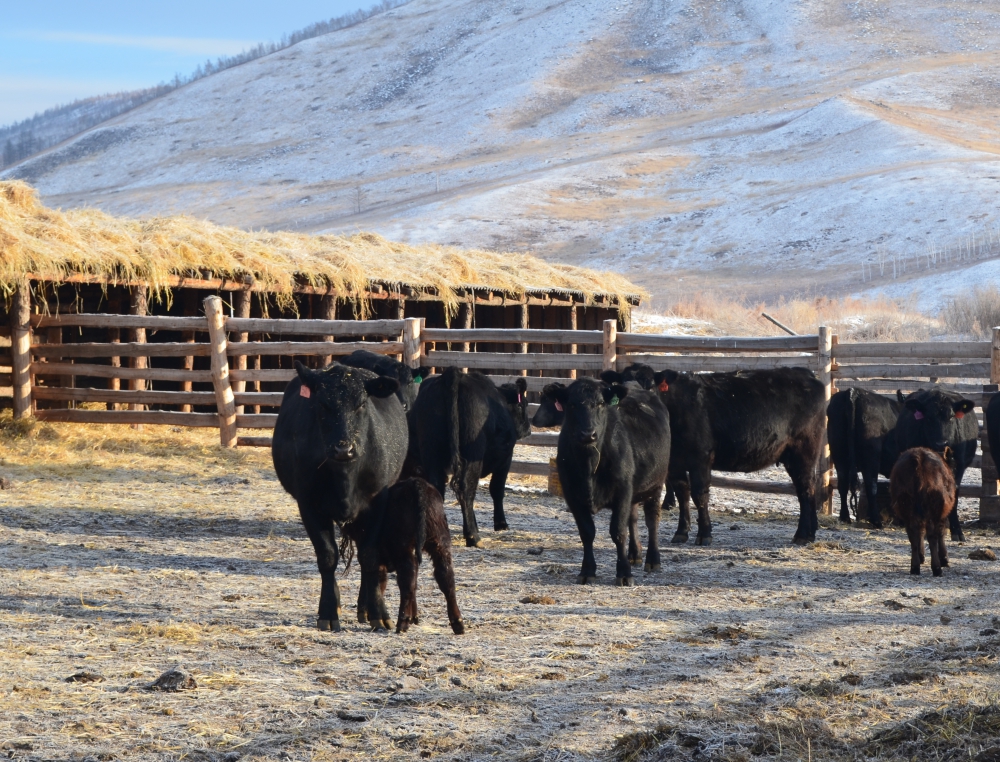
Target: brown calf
(922,490)
(412,520)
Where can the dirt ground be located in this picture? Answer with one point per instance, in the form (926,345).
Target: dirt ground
(124,554)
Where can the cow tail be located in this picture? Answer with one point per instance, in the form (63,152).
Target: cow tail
(852,457)
(346,549)
(452,378)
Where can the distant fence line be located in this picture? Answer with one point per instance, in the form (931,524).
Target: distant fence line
(218,377)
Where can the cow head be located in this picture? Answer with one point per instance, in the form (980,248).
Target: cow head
(339,396)
(550,410)
(932,419)
(409,383)
(637,373)
(516,397)
(663,379)
(586,405)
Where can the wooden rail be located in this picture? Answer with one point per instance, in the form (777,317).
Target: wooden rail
(223,381)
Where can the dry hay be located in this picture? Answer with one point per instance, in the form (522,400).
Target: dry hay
(128,553)
(51,244)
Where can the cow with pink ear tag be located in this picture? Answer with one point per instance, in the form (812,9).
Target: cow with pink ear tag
(937,419)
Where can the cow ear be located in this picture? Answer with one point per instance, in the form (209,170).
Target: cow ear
(383,386)
(664,379)
(307,375)
(615,393)
(900,396)
(611,377)
(522,385)
(963,407)
(421,373)
(556,391)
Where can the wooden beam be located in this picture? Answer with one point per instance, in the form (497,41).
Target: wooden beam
(20,350)
(131,417)
(220,372)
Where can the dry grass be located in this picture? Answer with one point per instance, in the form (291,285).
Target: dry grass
(51,244)
(974,314)
(852,319)
(127,553)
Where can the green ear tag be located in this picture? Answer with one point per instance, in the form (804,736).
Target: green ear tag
(614,400)
(417,379)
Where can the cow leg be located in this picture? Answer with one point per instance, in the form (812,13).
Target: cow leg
(700,481)
(585,525)
(468,485)
(934,538)
(916,535)
(438,547)
(321,534)
(871,495)
(802,471)
(651,509)
(682,489)
(844,488)
(942,549)
(621,516)
(372,593)
(498,482)
(634,541)
(954,523)
(407,566)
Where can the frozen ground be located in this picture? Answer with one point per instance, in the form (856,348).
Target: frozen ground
(127,553)
(763,147)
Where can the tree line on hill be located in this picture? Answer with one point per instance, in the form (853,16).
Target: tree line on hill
(22,140)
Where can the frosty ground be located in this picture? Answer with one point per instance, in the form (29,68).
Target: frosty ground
(127,553)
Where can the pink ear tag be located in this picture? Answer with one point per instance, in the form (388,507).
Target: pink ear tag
(918,415)
(518,399)
(559,406)
(305,391)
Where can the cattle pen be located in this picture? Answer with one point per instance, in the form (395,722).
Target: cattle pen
(207,372)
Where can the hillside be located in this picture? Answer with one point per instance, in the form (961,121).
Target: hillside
(762,147)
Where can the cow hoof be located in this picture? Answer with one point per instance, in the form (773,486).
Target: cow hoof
(328,625)
(625,581)
(958,536)
(679,539)
(501,527)
(937,572)
(473,542)
(877,525)
(402,626)
(651,567)
(458,627)
(703,541)
(803,540)
(634,560)
(583,579)
(845,519)
(915,571)
(944,562)
(362,617)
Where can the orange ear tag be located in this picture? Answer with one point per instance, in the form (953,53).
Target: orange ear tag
(664,386)
(305,391)
(960,415)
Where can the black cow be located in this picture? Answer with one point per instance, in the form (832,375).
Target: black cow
(412,520)
(743,421)
(861,432)
(614,451)
(339,441)
(463,425)
(550,410)
(935,419)
(409,378)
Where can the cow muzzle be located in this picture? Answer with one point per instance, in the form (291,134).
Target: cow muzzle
(587,437)
(344,452)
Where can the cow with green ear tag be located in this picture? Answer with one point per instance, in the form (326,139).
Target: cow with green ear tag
(409,378)
(613,452)
(936,419)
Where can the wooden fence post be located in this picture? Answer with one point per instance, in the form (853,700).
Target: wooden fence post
(989,501)
(422,344)
(610,345)
(220,371)
(327,311)
(20,349)
(138,307)
(522,322)
(824,361)
(411,342)
(241,306)
(572,327)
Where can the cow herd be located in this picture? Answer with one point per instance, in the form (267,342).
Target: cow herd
(369,444)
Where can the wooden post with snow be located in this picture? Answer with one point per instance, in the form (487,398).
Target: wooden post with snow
(241,308)
(220,371)
(411,342)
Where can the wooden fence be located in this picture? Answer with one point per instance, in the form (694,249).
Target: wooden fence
(229,373)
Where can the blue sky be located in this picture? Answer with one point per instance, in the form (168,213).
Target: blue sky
(62,50)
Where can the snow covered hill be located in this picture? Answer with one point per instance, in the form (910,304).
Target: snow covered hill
(761,147)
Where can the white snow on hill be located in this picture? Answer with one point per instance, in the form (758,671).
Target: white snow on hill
(757,147)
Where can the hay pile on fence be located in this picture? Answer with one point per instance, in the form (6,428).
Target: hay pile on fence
(49,244)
